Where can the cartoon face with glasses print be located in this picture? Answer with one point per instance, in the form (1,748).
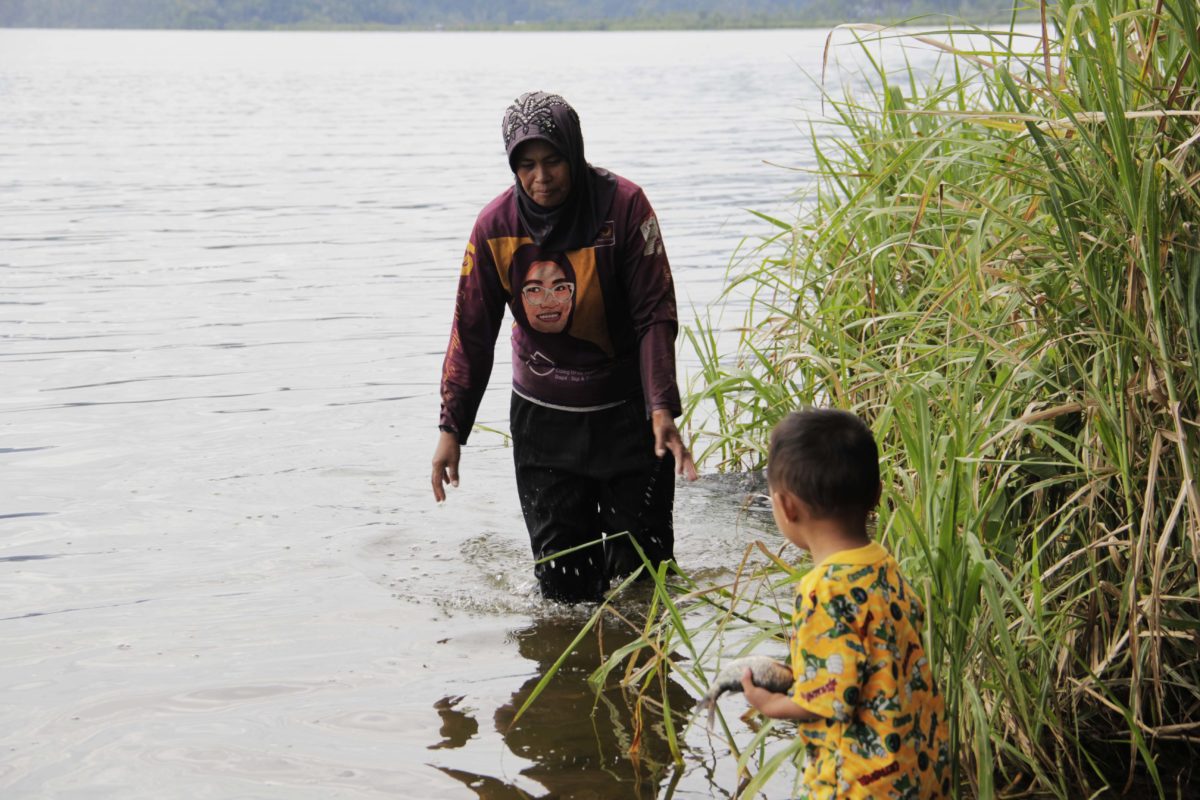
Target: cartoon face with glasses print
(547,297)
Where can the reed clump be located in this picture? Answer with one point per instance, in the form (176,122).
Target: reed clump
(1000,269)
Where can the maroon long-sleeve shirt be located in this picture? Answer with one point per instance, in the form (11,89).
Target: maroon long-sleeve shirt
(608,338)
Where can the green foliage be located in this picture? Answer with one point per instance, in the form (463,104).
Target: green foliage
(1000,269)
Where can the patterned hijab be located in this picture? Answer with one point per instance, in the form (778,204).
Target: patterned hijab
(575,223)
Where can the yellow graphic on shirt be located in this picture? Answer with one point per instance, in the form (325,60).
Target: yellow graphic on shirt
(503,249)
(468,260)
(589,322)
(859,664)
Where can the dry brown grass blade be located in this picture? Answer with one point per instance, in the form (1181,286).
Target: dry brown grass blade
(1189,483)
(870,27)
(1029,418)
(1186,462)
(1147,42)
(1176,731)
(775,559)
(1153,603)
(738,577)
(1046,44)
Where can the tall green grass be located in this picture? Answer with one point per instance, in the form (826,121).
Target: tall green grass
(1001,271)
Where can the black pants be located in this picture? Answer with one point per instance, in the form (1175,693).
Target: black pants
(585,475)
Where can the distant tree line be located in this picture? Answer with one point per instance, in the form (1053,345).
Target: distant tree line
(313,14)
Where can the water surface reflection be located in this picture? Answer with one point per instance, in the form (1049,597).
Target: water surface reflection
(577,743)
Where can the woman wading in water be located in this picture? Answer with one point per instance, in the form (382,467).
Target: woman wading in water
(575,253)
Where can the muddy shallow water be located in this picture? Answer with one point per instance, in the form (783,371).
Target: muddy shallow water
(226,271)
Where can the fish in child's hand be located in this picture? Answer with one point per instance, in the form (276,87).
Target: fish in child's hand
(764,672)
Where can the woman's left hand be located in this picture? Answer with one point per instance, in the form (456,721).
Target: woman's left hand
(666,437)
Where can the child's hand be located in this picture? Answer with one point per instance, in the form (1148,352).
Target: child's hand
(756,695)
(772,704)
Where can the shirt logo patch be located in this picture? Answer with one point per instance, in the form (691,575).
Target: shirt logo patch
(540,364)
(607,235)
(651,235)
(820,690)
(882,772)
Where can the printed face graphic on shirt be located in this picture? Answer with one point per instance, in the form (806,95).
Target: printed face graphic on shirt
(547,297)
(585,316)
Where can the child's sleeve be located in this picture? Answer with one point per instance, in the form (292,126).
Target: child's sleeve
(828,653)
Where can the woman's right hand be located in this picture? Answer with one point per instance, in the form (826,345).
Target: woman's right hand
(445,464)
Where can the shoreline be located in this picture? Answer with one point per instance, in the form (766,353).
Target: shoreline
(652,25)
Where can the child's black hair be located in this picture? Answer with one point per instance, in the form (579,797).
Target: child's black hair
(828,459)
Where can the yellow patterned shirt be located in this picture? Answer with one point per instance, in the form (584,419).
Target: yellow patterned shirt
(860,665)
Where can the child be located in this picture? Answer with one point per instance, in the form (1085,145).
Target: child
(872,721)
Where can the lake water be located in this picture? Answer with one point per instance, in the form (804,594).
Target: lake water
(227,263)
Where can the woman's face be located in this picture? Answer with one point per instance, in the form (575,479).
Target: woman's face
(547,297)
(543,172)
